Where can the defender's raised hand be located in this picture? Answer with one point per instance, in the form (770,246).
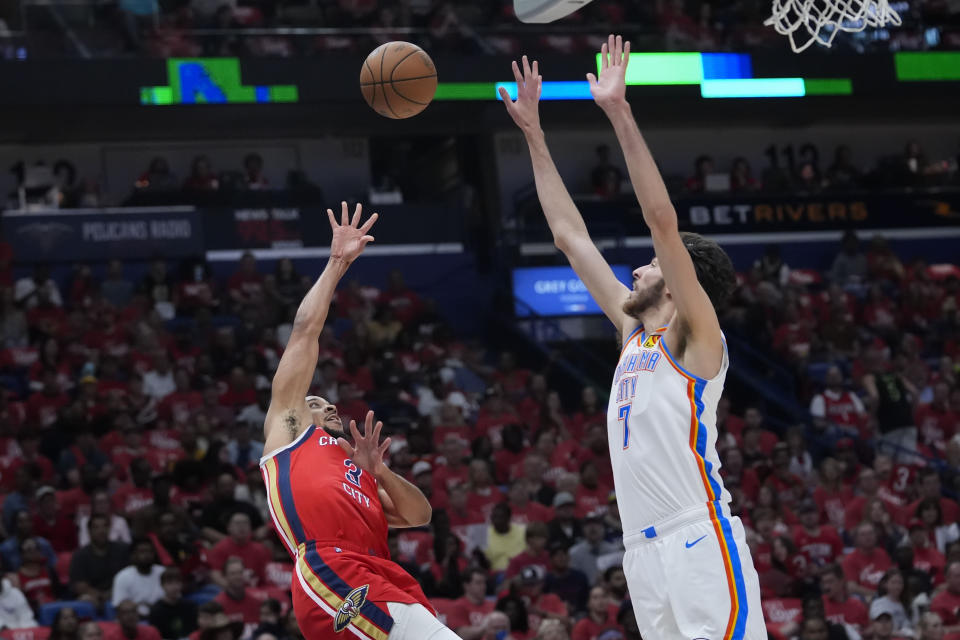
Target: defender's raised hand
(610,89)
(525,109)
(349,239)
(367,450)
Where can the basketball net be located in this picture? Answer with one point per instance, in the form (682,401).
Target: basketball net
(807,22)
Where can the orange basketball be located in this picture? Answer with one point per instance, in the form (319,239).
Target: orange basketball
(398,80)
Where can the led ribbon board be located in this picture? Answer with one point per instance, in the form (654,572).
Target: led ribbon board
(212,81)
(719,75)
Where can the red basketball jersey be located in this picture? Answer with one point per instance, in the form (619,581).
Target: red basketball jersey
(316,493)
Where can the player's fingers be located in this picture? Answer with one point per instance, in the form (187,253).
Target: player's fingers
(356,215)
(345,446)
(368,424)
(385,446)
(516,74)
(611,47)
(369,223)
(333,221)
(376,431)
(365,240)
(618,50)
(592,79)
(539,86)
(344,213)
(604,61)
(507,100)
(536,68)
(626,53)
(354,431)
(526,69)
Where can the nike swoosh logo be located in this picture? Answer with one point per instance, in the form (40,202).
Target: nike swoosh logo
(690,544)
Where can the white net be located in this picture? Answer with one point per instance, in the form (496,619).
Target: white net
(807,22)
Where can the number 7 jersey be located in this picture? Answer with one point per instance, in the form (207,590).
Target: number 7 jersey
(662,432)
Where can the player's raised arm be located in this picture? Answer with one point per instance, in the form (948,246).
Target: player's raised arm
(288,414)
(699,330)
(566,224)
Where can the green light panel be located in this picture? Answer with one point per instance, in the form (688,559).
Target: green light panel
(212,81)
(663,68)
(927,66)
(828,86)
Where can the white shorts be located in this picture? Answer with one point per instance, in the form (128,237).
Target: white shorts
(414,622)
(691,577)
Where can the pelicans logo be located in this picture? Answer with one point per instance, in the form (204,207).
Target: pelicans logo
(350,608)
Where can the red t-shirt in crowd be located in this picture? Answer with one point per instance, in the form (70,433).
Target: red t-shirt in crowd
(851,611)
(445,476)
(42,409)
(482,500)
(929,559)
(947,606)
(591,500)
(38,589)
(866,568)
(833,504)
(548,603)
(820,547)
(948,508)
(462,612)
(531,512)
(246,610)
(61,533)
(255,557)
(588,629)
(129,498)
(144,632)
(526,559)
(507,463)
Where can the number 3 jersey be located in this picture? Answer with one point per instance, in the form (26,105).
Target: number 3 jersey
(329,516)
(662,432)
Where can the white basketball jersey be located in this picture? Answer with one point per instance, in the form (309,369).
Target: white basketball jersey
(662,430)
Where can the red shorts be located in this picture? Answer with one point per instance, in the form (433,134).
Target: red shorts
(336,590)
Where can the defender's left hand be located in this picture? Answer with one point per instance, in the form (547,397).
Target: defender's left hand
(611,88)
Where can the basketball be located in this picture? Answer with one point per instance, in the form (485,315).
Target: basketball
(398,80)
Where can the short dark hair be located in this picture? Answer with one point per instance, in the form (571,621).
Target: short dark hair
(274,605)
(467,575)
(211,608)
(171,574)
(97,516)
(610,571)
(714,270)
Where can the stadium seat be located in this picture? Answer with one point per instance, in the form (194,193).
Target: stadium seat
(29,633)
(204,595)
(109,612)
(47,612)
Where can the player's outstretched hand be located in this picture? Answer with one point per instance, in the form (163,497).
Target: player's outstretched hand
(349,237)
(610,89)
(525,110)
(367,450)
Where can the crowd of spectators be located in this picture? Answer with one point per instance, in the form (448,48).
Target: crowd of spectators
(802,173)
(256,27)
(131,425)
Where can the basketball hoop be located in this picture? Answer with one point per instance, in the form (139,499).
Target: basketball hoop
(807,22)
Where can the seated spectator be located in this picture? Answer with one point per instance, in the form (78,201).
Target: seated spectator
(90,631)
(840,607)
(100,505)
(17,613)
(850,265)
(65,625)
(27,290)
(552,630)
(37,579)
(128,620)
(217,513)
(10,548)
(271,622)
(741,177)
(605,177)
(53,524)
(202,177)
(140,582)
(539,605)
(245,286)
(157,177)
(93,567)
(568,583)
(239,603)
(524,510)
(498,626)
(837,410)
(842,174)
(173,615)
(253,176)
(505,540)
(938,531)
(565,527)
(601,616)
(469,612)
(946,604)
(593,554)
(865,565)
(702,167)
(819,543)
(483,493)
(206,615)
(239,544)
(535,552)
(890,599)
(930,627)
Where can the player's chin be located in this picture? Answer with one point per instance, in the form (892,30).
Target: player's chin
(334,428)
